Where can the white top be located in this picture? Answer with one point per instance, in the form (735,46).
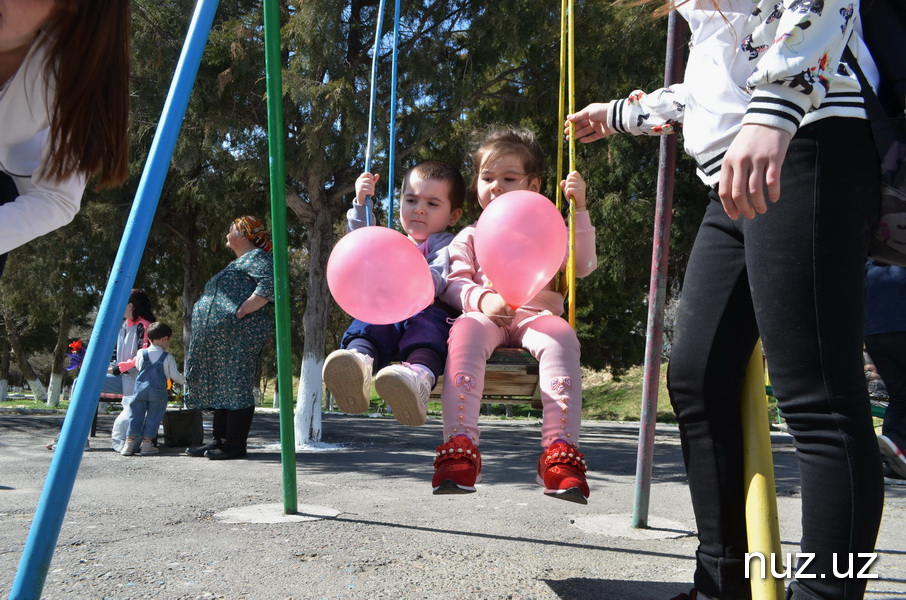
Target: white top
(775,63)
(170,368)
(42,205)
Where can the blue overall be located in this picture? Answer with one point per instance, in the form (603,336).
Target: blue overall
(149,403)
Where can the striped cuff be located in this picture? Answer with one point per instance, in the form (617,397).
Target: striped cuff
(619,111)
(777,106)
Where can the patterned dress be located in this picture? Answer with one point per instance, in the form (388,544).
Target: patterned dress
(223,356)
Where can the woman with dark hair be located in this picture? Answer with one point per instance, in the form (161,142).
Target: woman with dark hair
(121,374)
(64,109)
(133,336)
(231,322)
(120,379)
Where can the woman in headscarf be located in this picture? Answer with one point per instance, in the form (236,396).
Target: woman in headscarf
(231,323)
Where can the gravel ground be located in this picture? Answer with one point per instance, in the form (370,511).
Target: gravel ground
(175,527)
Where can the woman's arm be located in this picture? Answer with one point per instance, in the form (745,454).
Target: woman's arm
(639,114)
(251,304)
(41,207)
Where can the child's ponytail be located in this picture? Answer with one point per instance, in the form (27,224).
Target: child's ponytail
(89,51)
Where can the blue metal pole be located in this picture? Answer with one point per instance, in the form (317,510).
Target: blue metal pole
(392,155)
(45,529)
(371,105)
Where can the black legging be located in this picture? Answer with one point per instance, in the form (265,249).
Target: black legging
(8,193)
(795,276)
(233,425)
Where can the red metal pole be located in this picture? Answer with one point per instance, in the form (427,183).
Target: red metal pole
(657,288)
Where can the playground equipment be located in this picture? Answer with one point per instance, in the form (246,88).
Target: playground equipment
(57,491)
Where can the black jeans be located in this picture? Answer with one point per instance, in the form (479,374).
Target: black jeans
(794,276)
(888,352)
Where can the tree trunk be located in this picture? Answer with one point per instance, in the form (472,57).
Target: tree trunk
(28,372)
(54,389)
(59,354)
(314,323)
(308,403)
(4,369)
(190,289)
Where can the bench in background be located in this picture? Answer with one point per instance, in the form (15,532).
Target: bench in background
(511,377)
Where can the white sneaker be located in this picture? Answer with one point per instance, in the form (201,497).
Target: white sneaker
(347,374)
(148,448)
(406,390)
(128,447)
(892,455)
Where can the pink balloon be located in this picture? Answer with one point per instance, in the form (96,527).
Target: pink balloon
(379,276)
(520,243)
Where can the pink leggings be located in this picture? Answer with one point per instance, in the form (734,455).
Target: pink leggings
(548,338)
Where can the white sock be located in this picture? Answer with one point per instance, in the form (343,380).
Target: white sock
(368,360)
(422,370)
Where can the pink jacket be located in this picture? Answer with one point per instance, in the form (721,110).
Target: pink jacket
(467,282)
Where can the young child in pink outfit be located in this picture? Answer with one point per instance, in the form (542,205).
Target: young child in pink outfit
(507,160)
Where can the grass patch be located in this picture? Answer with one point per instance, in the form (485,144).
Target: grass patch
(30,403)
(606,398)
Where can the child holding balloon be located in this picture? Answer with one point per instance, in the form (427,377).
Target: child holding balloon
(508,160)
(430,201)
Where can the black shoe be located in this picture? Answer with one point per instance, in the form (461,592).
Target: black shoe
(225,452)
(201,450)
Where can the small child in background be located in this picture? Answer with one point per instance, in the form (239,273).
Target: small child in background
(149,402)
(507,160)
(430,201)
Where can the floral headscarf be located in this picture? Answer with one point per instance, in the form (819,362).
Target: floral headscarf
(253,229)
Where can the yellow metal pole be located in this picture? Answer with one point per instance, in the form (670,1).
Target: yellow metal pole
(762,524)
(571,261)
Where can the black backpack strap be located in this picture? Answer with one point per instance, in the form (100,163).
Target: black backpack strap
(881,125)
(884,33)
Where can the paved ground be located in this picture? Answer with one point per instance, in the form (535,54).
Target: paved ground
(175,527)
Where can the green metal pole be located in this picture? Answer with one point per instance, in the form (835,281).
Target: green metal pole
(275,136)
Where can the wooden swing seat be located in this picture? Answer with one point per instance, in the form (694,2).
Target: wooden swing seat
(511,377)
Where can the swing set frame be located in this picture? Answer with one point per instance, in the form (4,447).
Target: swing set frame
(56,494)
